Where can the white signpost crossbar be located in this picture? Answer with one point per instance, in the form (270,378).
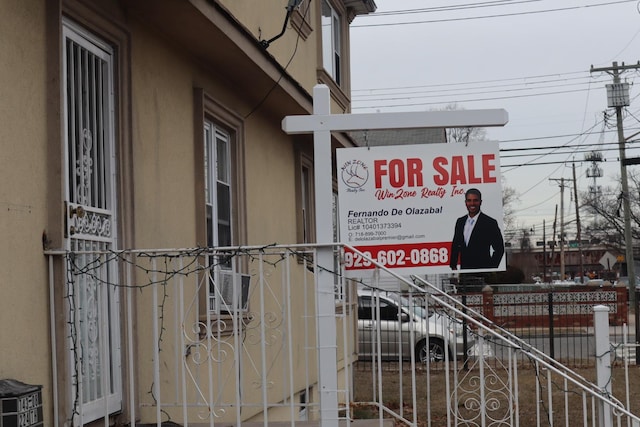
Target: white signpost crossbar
(416,119)
(322,123)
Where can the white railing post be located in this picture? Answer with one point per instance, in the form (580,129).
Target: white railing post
(603,361)
(54,358)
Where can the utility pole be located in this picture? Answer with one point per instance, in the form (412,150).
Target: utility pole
(579,236)
(553,247)
(544,252)
(618,97)
(561,225)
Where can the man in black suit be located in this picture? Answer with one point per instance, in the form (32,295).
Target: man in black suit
(477,240)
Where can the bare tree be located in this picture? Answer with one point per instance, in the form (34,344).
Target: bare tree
(604,218)
(464,134)
(509,198)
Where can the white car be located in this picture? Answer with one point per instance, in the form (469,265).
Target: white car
(398,321)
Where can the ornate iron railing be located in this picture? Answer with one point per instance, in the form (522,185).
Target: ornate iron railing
(253,356)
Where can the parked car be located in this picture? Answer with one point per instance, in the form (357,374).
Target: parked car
(397,321)
(624,281)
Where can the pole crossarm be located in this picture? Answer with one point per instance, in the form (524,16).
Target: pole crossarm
(615,68)
(403,120)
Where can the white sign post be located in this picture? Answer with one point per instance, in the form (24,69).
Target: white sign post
(321,124)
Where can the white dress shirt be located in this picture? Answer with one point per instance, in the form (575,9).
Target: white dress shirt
(468,228)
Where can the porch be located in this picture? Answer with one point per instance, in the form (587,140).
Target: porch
(230,336)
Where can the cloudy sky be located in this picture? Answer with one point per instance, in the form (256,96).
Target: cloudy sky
(531,57)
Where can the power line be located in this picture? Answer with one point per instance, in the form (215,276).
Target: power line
(533,12)
(559,162)
(596,146)
(415,104)
(524,78)
(471,91)
(456,7)
(466,100)
(535,138)
(440,94)
(615,149)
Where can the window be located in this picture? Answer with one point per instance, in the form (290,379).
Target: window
(306,212)
(331,41)
(220,213)
(217,187)
(228,289)
(367,309)
(306,218)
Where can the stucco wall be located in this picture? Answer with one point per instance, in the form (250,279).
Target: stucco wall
(162,141)
(163,81)
(163,198)
(24,311)
(299,53)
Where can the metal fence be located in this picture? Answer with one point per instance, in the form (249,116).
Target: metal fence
(556,321)
(501,379)
(203,348)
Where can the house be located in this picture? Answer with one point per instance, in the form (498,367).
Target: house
(132,127)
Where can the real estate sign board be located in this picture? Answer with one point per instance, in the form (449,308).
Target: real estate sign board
(399,205)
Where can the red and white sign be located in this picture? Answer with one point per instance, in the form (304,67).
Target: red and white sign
(399,204)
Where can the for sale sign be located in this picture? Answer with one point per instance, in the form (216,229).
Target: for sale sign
(417,209)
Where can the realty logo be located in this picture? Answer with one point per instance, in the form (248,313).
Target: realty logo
(354,173)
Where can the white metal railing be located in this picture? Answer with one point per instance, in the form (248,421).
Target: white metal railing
(254,358)
(480,389)
(250,356)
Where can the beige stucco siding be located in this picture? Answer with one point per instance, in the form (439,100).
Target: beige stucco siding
(162,145)
(166,75)
(299,54)
(270,184)
(24,328)
(163,81)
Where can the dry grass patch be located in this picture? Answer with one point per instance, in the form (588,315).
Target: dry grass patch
(566,399)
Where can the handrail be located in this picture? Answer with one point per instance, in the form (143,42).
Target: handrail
(488,326)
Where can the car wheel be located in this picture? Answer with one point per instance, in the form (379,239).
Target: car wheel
(436,351)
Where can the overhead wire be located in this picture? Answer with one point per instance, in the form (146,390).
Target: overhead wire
(443,92)
(502,15)
(458,7)
(412,94)
(529,80)
(511,88)
(522,83)
(596,146)
(541,76)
